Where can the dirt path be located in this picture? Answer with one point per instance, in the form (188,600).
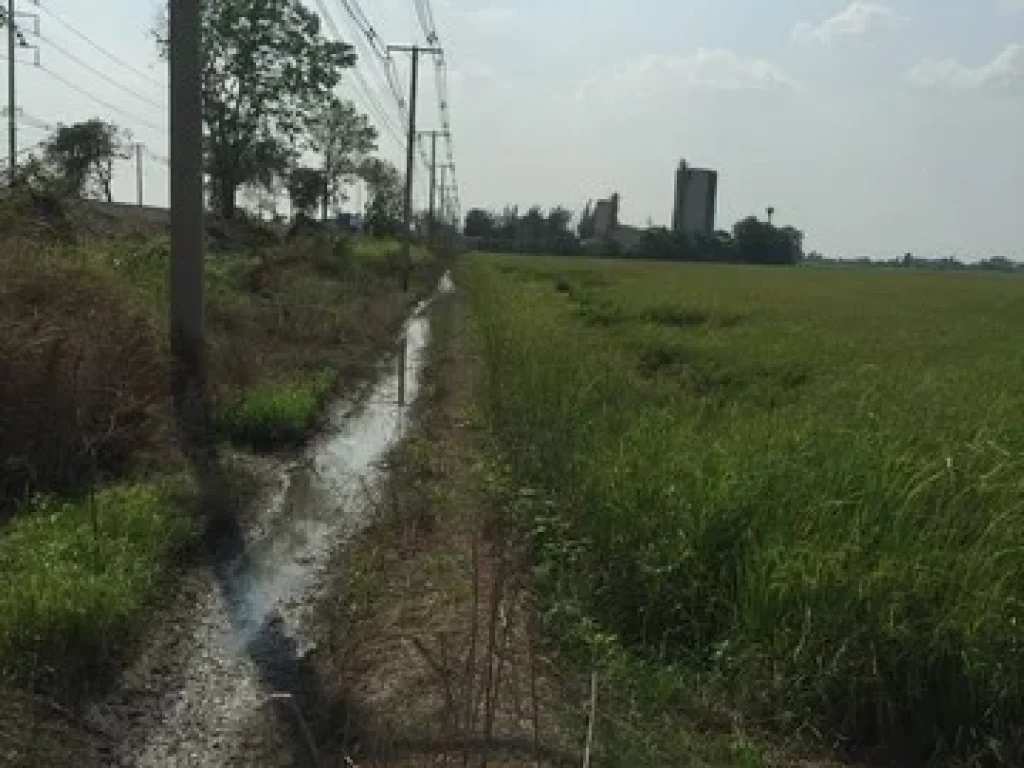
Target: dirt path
(225,678)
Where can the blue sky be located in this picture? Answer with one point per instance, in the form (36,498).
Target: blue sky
(877,127)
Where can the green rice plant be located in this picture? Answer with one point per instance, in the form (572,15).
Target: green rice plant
(815,501)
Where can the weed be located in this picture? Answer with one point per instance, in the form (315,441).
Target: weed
(76,574)
(275,416)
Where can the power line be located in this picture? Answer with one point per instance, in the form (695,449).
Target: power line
(368,92)
(369,99)
(98,100)
(36,122)
(426,17)
(380,54)
(107,78)
(362,22)
(116,59)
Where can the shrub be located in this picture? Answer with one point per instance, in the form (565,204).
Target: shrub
(82,377)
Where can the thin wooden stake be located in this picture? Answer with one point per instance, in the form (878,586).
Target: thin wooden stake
(592,720)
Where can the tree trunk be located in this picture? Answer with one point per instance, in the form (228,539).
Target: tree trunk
(228,193)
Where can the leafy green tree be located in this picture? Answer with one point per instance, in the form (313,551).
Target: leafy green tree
(306,188)
(344,138)
(385,206)
(479,223)
(758,242)
(508,222)
(558,221)
(668,245)
(82,156)
(266,68)
(532,225)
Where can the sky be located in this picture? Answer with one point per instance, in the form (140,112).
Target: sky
(878,128)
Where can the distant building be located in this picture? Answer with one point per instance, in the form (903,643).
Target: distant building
(606,216)
(607,229)
(696,200)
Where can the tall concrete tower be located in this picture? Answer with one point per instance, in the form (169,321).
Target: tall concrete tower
(696,200)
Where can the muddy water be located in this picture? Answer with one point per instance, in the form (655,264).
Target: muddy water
(191,698)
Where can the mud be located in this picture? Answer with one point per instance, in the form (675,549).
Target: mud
(226,678)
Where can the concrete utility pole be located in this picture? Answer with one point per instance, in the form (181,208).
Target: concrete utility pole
(445,212)
(138,170)
(434,135)
(187,333)
(444,194)
(12,125)
(415,52)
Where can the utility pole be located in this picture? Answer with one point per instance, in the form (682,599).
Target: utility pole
(326,192)
(15,40)
(434,135)
(444,189)
(138,170)
(444,195)
(188,382)
(414,51)
(12,125)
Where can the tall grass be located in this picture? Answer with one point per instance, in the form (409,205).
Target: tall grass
(806,486)
(76,573)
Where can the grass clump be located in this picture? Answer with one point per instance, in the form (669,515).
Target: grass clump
(77,573)
(816,512)
(275,415)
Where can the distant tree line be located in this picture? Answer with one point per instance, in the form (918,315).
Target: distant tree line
(534,231)
(751,241)
(909,261)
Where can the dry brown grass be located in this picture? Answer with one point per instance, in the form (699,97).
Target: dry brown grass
(82,377)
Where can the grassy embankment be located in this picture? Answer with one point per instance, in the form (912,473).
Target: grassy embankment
(94,498)
(791,495)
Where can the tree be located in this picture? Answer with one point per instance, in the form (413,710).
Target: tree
(507,224)
(82,156)
(558,222)
(266,67)
(479,223)
(344,137)
(662,243)
(306,188)
(758,242)
(385,206)
(532,225)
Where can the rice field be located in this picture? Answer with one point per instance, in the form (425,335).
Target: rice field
(802,485)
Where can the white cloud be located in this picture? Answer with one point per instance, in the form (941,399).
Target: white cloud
(704,70)
(1007,67)
(1012,6)
(856,20)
